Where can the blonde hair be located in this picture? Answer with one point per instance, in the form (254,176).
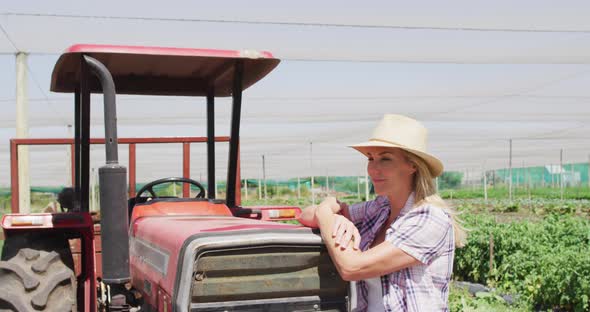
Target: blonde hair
(425,193)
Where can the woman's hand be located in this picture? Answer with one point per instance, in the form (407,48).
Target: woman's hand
(333,203)
(344,233)
(308,215)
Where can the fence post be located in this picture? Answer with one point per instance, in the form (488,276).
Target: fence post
(259,189)
(246,189)
(485,187)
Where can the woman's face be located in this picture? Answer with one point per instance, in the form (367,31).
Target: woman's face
(389,170)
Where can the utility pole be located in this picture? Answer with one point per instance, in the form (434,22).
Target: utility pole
(485,186)
(510,172)
(22,131)
(259,189)
(216,196)
(246,189)
(358,187)
(264,177)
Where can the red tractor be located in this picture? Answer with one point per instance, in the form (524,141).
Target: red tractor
(162,253)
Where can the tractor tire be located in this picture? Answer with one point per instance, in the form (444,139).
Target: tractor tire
(37,280)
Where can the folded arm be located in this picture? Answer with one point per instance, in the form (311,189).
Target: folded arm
(354,264)
(307,216)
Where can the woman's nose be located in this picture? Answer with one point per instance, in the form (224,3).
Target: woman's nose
(372,168)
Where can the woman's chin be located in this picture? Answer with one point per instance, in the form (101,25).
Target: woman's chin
(379,192)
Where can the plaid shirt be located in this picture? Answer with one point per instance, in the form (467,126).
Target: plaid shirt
(423,232)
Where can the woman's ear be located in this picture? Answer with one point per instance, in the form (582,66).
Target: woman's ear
(413,167)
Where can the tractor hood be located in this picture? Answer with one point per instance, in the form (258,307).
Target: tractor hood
(169,251)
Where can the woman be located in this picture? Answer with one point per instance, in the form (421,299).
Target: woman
(400,246)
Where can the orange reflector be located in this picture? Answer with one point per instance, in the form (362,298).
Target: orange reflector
(287,213)
(281,213)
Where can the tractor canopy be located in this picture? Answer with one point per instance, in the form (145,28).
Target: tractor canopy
(163,71)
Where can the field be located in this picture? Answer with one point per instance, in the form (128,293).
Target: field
(531,253)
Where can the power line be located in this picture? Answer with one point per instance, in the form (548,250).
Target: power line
(332,98)
(8,37)
(33,77)
(299,24)
(516,94)
(309,59)
(45,97)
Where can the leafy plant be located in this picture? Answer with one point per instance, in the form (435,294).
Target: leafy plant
(546,262)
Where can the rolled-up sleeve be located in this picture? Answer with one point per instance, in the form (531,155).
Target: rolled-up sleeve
(421,232)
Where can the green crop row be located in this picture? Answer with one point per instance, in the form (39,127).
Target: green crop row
(545,263)
(502,192)
(523,206)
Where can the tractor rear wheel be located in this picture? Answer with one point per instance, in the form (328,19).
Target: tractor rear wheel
(37,280)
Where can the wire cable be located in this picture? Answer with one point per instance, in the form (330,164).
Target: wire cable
(34,78)
(298,24)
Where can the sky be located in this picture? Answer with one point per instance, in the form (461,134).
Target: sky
(476,73)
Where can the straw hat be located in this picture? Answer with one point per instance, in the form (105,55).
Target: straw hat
(405,133)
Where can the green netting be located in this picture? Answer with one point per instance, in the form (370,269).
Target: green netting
(4,191)
(575,174)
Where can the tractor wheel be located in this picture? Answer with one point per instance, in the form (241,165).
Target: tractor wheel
(37,280)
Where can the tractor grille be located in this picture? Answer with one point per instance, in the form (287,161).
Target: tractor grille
(260,278)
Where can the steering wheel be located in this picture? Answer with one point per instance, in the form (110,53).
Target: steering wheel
(150,187)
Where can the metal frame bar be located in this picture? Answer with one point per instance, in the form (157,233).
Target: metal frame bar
(186,167)
(132,168)
(76,154)
(234,142)
(84,192)
(211,143)
(14,143)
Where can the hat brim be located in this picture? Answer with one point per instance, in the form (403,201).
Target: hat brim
(434,164)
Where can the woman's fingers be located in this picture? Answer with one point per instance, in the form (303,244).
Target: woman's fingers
(345,233)
(341,231)
(336,227)
(345,240)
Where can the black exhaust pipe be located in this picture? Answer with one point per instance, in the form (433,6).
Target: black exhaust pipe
(113,189)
